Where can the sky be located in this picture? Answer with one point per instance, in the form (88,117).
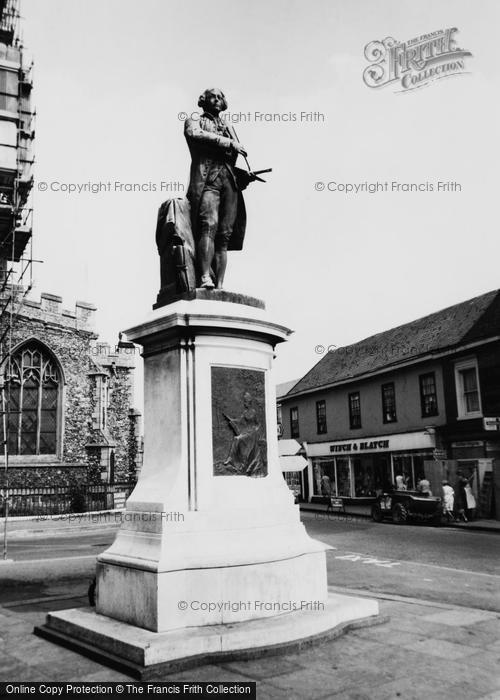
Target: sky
(111,79)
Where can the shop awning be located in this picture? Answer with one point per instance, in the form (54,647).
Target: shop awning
(292,463)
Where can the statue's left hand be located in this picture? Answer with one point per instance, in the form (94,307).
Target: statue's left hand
(244,178)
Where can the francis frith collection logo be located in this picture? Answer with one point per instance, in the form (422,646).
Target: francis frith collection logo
(414,63)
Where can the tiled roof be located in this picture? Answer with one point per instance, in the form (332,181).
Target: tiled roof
(463,323)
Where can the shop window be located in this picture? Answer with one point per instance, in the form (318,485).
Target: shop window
(418,469)
(389,403)
(293,481)
(354,410)
(467,387)
(332,477)
(321,417)
(364,482)
(372,475)
(343,477)
(294,422)
(428,396)
(324,477)
(33,387)
(403,472)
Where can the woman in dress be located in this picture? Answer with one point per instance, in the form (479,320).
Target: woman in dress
(470,501)
(245,454)
(460,497)
(448,498)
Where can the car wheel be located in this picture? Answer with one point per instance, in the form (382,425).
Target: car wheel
(377,514)
(399,514)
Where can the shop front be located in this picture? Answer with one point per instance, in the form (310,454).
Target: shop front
(361,469)
(478,460)
(297,483)
(293,467)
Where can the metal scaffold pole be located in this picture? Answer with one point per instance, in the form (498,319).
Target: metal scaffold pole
(15,267)
(6,467)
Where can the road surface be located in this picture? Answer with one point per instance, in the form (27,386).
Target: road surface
(440,564)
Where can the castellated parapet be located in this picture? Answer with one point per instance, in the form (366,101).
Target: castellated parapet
(49,310)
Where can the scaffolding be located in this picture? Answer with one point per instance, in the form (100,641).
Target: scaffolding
(16,214)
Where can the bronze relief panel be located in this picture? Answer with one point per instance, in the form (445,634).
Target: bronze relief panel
(239,438)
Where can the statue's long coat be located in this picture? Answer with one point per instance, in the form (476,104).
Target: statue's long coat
(210,151)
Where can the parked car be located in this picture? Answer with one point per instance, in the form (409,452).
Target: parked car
(403,506)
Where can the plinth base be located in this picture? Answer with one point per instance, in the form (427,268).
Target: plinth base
(215,595)
(149,655)
(164,297)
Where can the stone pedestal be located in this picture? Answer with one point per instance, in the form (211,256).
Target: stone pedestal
(211,535)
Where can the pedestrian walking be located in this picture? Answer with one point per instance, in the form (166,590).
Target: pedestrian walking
(470,501)
(448,501)
(460,496)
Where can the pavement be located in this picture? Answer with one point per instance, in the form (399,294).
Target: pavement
(364,511)
(425,650)
(47,525)
(73,523)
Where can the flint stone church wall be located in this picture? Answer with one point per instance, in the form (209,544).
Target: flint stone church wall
(83,446)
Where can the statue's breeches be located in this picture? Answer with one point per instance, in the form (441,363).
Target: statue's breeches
(218,209)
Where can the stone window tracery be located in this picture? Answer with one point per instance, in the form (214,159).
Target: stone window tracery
(32,391)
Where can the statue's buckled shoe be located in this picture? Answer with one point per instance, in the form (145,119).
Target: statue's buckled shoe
(207,282)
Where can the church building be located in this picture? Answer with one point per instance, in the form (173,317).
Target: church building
(67,419)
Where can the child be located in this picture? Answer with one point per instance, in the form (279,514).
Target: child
(448,499)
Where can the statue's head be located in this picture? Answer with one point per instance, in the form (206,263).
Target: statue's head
(213,101)
(247,399)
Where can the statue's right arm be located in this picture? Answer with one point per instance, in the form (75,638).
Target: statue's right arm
(194,132)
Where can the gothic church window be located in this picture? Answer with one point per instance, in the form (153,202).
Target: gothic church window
(33,397)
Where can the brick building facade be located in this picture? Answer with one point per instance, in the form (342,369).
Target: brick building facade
(419,400)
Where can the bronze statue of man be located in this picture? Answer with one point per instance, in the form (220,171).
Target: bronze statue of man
(218,215)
